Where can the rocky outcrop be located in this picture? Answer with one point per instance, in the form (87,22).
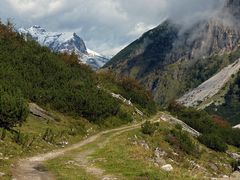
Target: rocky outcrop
(237,126)
(39,112)
(173,120)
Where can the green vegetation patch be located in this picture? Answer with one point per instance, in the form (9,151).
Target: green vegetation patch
(215,134)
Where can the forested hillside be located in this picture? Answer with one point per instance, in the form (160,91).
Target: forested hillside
(53,80)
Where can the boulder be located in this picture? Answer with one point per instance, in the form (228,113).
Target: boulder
(144,145)
(235,175)
(159,153)
(160,161)
(167,167)
(213,166)
(235,156)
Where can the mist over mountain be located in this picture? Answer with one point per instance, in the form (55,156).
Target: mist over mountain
(98,21)
(176,56)
(165,107)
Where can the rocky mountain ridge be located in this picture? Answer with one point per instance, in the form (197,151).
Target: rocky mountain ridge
(65,42)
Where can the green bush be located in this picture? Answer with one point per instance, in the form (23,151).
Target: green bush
(13,110)
(181,140)
(204,123)
(3,134)
(137,93)
(49,136)
(20,138)
(148,128)
(197,119)
(235,165)
(124,116)
(130,89)
(214,142)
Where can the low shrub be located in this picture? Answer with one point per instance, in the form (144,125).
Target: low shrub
(216,132)
(197,119)
(13,109)
(181,140)
(214,142)
(148,128)
(235,165)
(48,136)
(126,117)
(3,134)
(20,138)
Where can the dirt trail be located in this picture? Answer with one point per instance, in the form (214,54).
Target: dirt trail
(32,168)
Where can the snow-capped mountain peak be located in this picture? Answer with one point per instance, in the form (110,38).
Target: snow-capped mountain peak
(65,42)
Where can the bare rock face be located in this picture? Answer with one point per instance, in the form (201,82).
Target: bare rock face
(219,33)
(233,7)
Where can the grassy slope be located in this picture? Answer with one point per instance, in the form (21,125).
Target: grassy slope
(65,129)
(135,161)
(123,158)
(35,128)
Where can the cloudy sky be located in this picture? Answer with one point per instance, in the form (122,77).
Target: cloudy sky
(105,25)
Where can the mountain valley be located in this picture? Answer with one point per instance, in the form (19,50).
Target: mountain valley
(167,106)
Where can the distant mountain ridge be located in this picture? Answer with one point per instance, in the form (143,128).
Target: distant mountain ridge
(65,42)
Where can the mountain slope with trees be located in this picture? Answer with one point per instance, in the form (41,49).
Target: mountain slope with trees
(172,55)
(53,80)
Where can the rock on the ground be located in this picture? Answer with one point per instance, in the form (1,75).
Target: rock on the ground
(213,166)
(159,161)
(235,175)
(2,174)
(237,126)
(167,167)
(39,112)
(159,153)
(158,156)
(235,156)
(144,145)
(225,176)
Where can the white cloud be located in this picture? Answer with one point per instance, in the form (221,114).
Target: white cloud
(105,25)
(36,8)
